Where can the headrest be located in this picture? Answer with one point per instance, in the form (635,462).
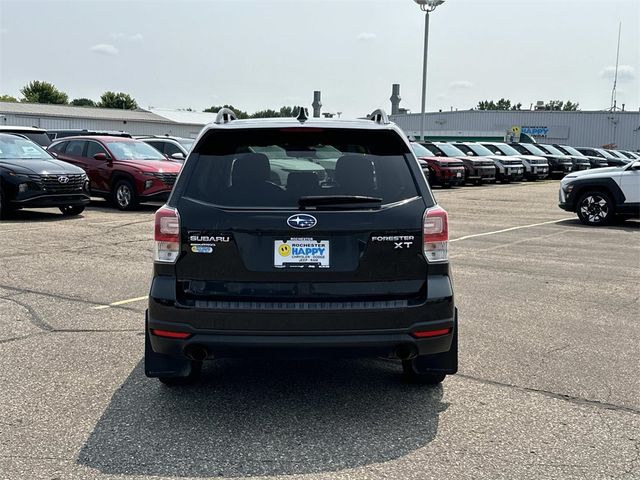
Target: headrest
(250,169)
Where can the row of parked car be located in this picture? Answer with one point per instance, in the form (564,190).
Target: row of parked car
(458,163)
(64,168)
(74,165)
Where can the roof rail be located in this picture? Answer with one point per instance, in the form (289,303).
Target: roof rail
(225,115)
(379,116)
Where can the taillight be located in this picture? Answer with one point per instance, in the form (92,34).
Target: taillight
(167,235)
(432,333)
(170,334)
(436,235)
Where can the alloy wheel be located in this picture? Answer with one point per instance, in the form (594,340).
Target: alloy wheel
(595,208)
(123,196)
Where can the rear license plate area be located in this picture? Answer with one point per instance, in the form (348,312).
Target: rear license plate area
(301,253)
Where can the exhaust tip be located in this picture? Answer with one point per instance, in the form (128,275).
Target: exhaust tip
(405,352)
(197,353)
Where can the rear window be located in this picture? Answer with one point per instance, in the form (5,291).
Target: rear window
(41,139)
(269,168)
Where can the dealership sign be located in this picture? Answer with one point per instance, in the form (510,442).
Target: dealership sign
(536,131)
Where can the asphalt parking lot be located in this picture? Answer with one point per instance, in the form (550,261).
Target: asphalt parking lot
(548,384)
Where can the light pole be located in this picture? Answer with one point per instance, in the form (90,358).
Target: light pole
(426,6)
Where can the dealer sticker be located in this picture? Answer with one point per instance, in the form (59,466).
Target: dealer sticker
(301,253)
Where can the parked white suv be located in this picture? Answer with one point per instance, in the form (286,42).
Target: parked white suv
(597,196)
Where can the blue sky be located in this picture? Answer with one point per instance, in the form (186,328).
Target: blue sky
(261,54)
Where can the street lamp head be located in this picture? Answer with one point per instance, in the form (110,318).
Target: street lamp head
(429,5)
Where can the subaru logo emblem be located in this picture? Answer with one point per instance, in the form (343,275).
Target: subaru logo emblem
(302,221)
(63,179)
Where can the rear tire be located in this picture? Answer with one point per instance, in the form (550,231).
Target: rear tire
(595,208)
(124,195)
(70,211)
(415,371)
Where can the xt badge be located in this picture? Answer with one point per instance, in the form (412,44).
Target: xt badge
(399,241)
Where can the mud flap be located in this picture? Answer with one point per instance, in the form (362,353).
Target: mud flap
(159,365)
(445,362)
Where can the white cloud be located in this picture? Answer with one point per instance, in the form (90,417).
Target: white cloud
(625,73)
(136,37)
(105,49)
(366,36)
(461,85)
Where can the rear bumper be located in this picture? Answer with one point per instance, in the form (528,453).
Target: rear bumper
(308,345)
(302,333)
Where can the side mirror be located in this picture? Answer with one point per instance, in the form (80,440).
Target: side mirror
(101,156)
(178,156)
(635,165)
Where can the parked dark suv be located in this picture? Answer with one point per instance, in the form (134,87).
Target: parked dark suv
(31,178)
(36,135)
(123,170)
(353,265)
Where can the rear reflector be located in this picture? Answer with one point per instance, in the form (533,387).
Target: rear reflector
(169,334)
(167,235)
(436,235)
(432,333)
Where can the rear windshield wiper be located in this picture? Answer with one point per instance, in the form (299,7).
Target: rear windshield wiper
(340,201)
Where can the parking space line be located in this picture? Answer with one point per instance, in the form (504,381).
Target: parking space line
(466,237)
(121,302)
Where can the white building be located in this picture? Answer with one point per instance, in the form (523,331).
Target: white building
(582,129)
(136,122)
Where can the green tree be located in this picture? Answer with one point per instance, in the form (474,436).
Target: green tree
(83,102)
(120,100)
(289,111)
(239,113)
(570,106)
(502,104)
(43,92)
(268,113)
(554,105)
(8,98)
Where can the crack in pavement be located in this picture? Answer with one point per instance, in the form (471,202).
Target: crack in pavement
(61,297)
(22,337)
(68,330)
(34,317)
(557,396)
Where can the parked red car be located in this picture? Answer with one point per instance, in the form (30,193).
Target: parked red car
(123,170)
(442,170)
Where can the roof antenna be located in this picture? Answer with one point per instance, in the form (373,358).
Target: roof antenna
(303,114)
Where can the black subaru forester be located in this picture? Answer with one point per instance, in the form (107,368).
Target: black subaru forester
(349,259)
